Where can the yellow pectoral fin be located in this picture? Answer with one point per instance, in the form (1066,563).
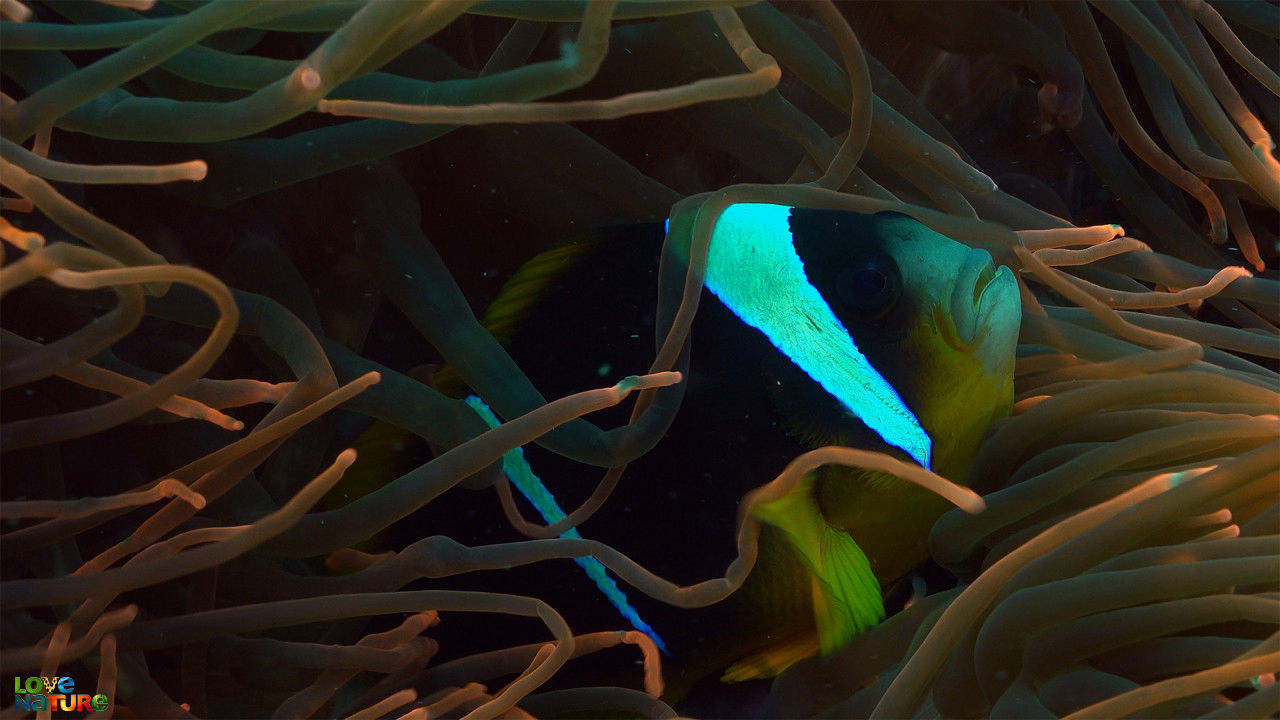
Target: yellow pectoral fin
(846,593)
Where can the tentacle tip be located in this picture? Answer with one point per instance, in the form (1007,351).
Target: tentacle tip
(1060,107)
(1262,681)
(645,382)
(1218,231)
(305,84)
(309,79)
(17,12)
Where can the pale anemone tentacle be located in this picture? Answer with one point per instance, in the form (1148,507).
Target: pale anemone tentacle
(1153,371)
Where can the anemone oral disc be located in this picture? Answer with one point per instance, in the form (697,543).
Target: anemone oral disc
(754,269)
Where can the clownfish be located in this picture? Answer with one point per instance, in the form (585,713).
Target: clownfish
(815,327)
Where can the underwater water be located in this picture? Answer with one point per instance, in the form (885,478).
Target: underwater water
(876,359)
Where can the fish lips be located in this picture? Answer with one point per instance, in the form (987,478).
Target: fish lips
(985,311)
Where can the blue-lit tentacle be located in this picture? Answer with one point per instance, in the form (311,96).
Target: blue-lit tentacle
(754,269)
(521,475)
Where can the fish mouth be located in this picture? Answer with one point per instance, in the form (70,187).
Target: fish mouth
(983,295)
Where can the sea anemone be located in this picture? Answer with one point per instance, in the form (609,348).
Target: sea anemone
(238,231)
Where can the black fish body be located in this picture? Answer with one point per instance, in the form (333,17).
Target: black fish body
(931,318)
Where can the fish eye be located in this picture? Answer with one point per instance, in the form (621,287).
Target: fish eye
(870,287)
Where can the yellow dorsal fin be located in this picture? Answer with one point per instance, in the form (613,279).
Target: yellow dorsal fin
(516,298)
(527,285)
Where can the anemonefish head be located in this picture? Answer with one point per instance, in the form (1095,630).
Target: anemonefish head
(886,332)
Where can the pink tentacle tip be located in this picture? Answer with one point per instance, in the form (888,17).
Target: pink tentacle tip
(1059,107)
(176,488)
(308,78)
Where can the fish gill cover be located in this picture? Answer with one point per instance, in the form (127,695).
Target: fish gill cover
(235,232)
